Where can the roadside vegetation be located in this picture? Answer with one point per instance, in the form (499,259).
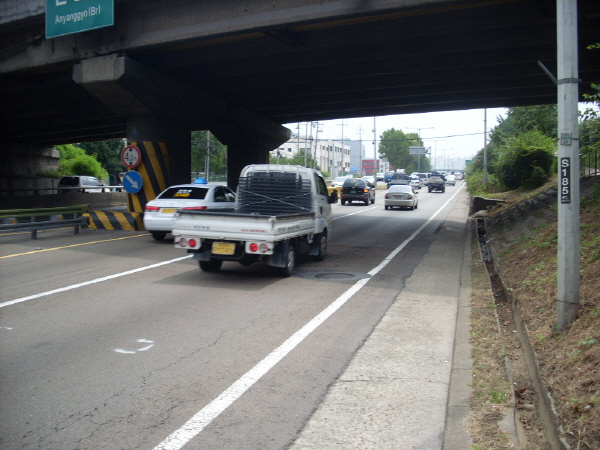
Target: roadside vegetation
(96,159)
(523,235)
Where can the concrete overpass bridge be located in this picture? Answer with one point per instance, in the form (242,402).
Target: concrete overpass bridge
(241,68)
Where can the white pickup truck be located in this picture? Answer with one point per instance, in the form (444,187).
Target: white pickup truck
(281,212)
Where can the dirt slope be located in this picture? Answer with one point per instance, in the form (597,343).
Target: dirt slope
(523,233)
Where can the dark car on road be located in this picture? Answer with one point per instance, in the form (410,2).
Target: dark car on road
(357,190)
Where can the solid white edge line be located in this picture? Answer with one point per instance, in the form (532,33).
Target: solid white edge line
(206,415)
(87,283)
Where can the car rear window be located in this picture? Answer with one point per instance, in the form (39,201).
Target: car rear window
(69,181)
(354,183)
(194,193)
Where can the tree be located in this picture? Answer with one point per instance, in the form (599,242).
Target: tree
(296,160)
(74,161)
(394,146)
(108,153)
(527,160)
(216,150)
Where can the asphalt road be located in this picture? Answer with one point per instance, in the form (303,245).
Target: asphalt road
(110,340)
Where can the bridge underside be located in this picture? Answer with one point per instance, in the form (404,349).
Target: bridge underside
(200,65)
(433,56)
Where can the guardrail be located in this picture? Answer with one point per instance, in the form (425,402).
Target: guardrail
(62,190)
(34,220)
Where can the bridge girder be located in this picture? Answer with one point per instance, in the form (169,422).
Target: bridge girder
(294,60)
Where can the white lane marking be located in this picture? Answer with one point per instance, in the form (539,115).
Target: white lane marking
(143,349)
(206,415)
(97,280)
(352,213)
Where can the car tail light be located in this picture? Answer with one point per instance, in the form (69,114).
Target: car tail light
(151,208)
(409,197)
(193,208)
(387,196)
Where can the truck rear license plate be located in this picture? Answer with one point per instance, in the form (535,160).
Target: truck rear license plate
(223,248)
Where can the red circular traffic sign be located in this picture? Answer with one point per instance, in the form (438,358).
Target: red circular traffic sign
(131,156)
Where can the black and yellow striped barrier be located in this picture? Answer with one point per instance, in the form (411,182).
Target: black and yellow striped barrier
(115,220)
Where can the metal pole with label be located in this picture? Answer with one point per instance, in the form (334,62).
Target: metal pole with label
(568,288)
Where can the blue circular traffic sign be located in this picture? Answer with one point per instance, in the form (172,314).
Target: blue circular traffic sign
(132,182)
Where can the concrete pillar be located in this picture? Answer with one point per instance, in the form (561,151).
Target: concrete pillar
(239,155)
(166,157)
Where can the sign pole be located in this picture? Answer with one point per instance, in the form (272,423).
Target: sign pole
(568,288)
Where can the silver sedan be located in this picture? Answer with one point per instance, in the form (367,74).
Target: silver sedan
(401,196)
(159,213)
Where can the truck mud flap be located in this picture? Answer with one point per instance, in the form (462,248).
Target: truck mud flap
(278,259)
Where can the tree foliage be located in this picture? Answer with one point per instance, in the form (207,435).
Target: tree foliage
(296,160)
(75,161)
(394,146)
(526,161)
(217,162)
(521,151)
(108,153)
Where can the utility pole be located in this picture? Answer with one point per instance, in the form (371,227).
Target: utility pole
(568,287)
(374,137)
(485,169)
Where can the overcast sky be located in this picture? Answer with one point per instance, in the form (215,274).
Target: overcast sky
(458,133)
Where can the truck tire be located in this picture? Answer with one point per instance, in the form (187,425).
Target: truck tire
(213,265)
(322,242)
(158,235)
(290,264)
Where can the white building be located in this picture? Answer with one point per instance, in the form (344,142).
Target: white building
(329,154)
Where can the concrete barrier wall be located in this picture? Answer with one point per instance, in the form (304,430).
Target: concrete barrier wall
(96,201)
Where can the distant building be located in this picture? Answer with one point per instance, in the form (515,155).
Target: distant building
(374,166)
(330,155)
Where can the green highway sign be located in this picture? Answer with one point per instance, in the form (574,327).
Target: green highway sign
(74,16)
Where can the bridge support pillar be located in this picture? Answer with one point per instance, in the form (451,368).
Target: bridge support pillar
(166,157)
(240,155)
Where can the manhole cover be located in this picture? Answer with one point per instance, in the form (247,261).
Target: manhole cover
(334,276)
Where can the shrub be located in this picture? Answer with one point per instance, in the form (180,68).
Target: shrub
(526,161)
(476,186)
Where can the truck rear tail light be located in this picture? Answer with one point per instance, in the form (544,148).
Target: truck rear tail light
(366,190)
(187,243)
(263,247)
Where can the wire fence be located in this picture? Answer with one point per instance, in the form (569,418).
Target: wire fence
(590,164)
